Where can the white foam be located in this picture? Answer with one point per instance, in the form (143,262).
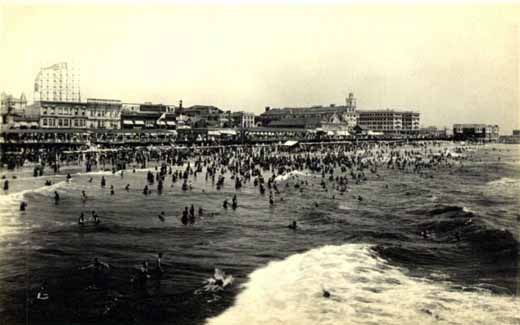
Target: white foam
(364,290)
(505,181)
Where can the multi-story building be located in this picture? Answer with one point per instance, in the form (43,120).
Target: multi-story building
(66,115)
(389,121)
(94,114)
(104,113)
(241,119)
(9,103)
(57,83)
(344,116)
(483,132)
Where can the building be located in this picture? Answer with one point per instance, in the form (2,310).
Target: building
(484,132)
(148,120)
(8,103)
(389,121)
(104,113)
(338,117)
(57,83)
(130,107)
(241,119)
(202,116)
(94,114)
(514,138)
(66,115)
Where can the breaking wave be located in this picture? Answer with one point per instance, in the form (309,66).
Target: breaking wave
(364,289)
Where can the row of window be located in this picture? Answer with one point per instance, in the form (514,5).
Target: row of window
(81,123)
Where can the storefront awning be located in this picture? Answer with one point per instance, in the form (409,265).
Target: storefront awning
(128,122)
(213,132)
(139,122)
(170,123)
(35,124)
(161,123)
(290,143)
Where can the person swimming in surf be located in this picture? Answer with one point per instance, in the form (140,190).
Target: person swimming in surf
(23,205)
(161,216)
(112,192)
(234,203)
(99,271)
(95,218)
(293,226)
(56,197)
(103,181)
(127,187)
(83,196)
(81,219)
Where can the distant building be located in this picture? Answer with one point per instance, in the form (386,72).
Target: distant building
(148,120)
(59,83)
(130,107)
(483,132)
(94,114)
(389,121)
(335,116)
(514,138)
(202,116)
(104,113)
(9,103)
(241,119)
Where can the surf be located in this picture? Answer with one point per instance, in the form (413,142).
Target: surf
(364,288)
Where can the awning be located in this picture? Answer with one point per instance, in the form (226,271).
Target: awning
(170,123)
(35,124)
(330,133)
(161,123)
(228,132)
(128,122)
(213,132)
(290,143)
(173,132)
(139,122)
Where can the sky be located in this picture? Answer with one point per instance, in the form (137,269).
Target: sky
(453,64)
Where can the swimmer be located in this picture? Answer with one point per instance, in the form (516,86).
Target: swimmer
(293,226)
(42,292)
(6,185)
(103,181)
(90,180)
(81,219)
(225,204)
(23,205)
(83,196)
(112,192)
(326,294)
(158,265)
(201,211)
(161,216)
(127,187)
(56,197)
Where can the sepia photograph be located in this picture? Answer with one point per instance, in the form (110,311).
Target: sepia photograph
(257,163)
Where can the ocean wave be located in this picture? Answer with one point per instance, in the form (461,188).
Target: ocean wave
(350,284)
(505,181)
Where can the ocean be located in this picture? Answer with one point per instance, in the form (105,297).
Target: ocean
(363,247)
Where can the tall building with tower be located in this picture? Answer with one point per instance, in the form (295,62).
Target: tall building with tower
(58,82)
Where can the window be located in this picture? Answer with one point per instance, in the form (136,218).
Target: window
(60,122)
(66,122)
(44,122)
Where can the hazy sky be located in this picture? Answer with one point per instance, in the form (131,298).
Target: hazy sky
(452,64)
